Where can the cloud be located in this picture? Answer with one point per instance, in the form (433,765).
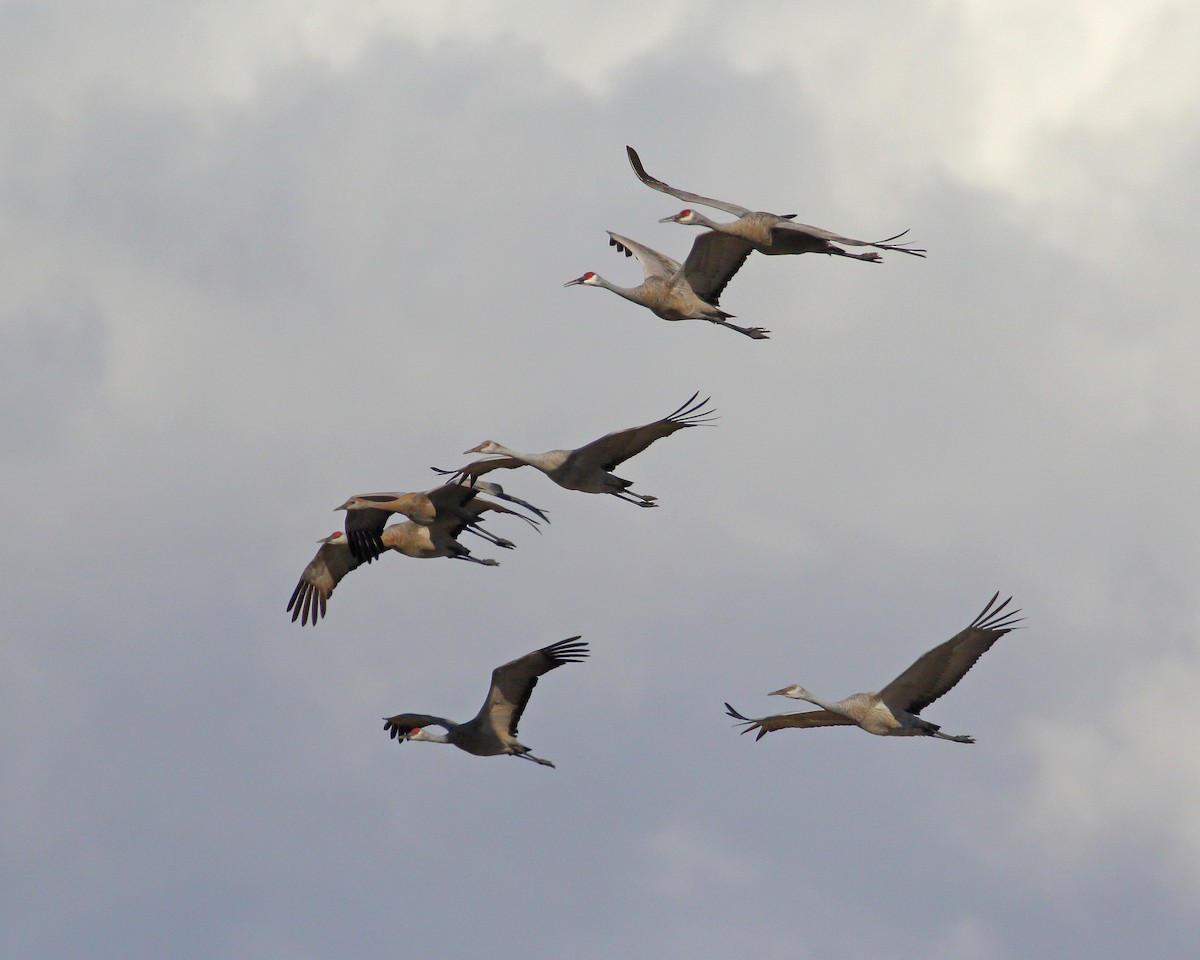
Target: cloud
(1120,782)
(259,258)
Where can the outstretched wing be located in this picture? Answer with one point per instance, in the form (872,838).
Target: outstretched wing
(713,260)
(654,264)
(364,528)
(368,513)
(402,724)
(474,470)
(332,562)
(783,231)
(936,672)
(655,184)
(478,506)
(495,490)
(805,718)
(617,447)
(513,682)
(458,505)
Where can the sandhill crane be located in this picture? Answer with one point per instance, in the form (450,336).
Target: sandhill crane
(366,514)
(768,233)
(335,559)
(493,730)
(895,710)
(687,292)
(587,468)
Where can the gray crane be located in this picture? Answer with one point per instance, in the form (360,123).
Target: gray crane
(895,710)
(335,559)
(588,468)
(493,730)
(366,514)
(768,233)
(687,292)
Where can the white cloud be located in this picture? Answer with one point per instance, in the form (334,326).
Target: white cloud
(258,258)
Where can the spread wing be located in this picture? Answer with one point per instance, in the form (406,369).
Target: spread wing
(790,232)
(450,498)
(513,682)
(654,264)
(332,562)
(495,490)
(364,528)
(459,505)
(474,470)
(399,726)
(805,718)
(937,671)
(368,513)
(714,259)
(655,184)
(617,447)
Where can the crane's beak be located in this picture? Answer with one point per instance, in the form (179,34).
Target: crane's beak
(778,693)
(667,220)
(571,283)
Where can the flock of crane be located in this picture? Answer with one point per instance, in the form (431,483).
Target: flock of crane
(436,518)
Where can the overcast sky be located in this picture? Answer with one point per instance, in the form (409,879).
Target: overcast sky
(256,257)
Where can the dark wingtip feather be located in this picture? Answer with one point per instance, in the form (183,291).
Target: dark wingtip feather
(995,618)
(571,650)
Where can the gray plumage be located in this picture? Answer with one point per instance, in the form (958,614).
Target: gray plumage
(769,233)
(335,559)
(493,730)
(367,513)
(589,468)
(895,710)
(687,291)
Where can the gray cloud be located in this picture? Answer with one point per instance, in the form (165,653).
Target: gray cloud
(235,301)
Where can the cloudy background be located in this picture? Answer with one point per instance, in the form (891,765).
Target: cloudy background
(258,256)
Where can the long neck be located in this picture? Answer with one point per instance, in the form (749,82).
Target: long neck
(817,701)
(636,294)
(700,220)
(426,734)
(543,461)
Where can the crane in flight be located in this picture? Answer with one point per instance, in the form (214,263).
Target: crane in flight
(589,468)
(770,233)
(335,559)
(493,730)
(367,513)
(895,710)
(682,292)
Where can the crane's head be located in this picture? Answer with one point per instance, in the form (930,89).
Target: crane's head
(402,727)
(795,691)
(488,446)
(336,537)
(589,278)
(687,216)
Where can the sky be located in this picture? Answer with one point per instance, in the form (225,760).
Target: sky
(257,257)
